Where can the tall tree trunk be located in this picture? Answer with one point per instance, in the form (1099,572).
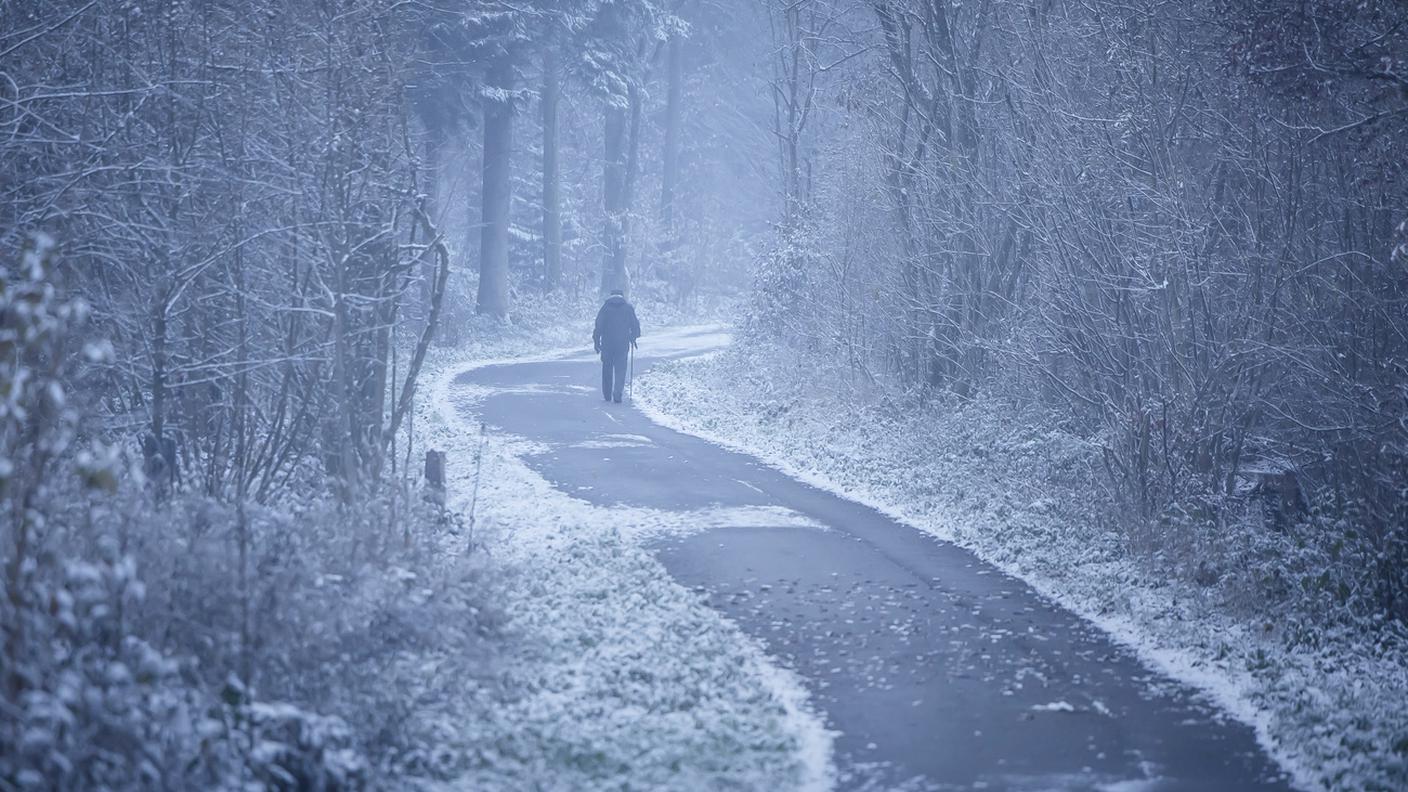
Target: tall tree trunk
(613,272)
(552,209)
(159,371)
(497,193)
(622,168)
(637,105)
(342,428)
(670,171)
(435,141)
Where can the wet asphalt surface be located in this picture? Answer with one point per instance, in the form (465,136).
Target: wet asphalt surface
(937,671)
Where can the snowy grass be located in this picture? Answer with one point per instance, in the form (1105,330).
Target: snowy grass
(613,675)
(1032,500)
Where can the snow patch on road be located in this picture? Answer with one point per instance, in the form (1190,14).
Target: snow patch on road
(1132,785)
(756,517)
(616,441)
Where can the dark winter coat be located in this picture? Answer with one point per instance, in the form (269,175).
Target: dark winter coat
(616,326)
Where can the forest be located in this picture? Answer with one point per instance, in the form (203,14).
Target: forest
(1178,228)
(245,245)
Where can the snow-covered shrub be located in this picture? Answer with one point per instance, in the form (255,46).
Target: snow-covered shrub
(97,706)
(298,750)
(185,642)
(87,702)
(344,643)
(331,640)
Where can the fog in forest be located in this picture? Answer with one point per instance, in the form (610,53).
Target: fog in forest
(703,394)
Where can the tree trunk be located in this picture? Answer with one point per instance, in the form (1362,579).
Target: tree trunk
(497,194)
(342,426)
(552,209)
(613,271)
(435,141)
(670,170)
(637,104)
(159,370)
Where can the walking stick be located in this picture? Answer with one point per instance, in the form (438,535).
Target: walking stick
(631,377)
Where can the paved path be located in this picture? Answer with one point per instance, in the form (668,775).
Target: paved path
(938,671)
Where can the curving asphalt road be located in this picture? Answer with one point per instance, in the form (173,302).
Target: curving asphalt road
(936,670)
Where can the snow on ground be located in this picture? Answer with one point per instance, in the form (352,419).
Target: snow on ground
(616,441)
(1335,717)
(616,677)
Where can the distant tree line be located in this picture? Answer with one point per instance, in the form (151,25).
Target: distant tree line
(1176,225)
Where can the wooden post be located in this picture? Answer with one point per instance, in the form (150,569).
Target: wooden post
(435,476)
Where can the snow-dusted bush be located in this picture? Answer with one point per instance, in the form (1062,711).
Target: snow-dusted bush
(87,701)
(159,639)
(307,670)
(95,706)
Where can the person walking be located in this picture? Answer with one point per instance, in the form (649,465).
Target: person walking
(617,329)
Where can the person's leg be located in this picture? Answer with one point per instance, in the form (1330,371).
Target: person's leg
(620,380)
(606,376)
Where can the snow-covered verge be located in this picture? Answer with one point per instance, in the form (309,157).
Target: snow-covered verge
(611,675)
(1244,616)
